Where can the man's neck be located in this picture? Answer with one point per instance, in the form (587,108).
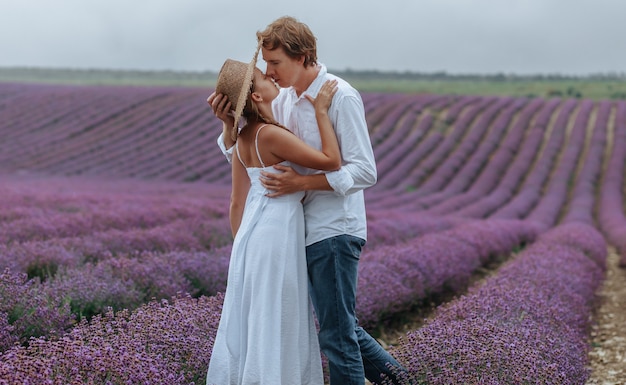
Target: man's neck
(308,76)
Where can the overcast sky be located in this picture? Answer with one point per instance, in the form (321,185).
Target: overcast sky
(574,37)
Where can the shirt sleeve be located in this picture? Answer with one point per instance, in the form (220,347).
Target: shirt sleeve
(358,170)
(228,153)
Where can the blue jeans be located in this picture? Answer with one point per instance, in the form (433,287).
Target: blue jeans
(352,353)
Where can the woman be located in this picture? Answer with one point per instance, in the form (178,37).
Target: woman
(267,332)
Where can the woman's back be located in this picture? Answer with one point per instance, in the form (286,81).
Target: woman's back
(253,149)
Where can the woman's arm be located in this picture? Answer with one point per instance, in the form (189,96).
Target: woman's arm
(221,109)
(284,145)
(238,195)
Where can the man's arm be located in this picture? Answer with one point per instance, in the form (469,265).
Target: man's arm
(227,140)
(358,171)
(221,143)
(289,182)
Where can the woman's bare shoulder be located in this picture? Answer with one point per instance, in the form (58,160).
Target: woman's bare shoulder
(273,131)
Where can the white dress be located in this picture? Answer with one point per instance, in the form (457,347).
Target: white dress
(267,333)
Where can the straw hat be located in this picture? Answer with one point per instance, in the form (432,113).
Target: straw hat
(235,80)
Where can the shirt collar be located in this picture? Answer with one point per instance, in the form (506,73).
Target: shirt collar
(314,87)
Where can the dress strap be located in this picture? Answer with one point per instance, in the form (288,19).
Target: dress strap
(256,144)
(239,156)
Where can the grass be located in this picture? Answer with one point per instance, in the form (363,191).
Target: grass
(591,87)
(566,88)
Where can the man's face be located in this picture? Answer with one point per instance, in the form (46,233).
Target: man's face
(280,67)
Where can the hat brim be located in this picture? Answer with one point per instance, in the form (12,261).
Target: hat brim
(246,86)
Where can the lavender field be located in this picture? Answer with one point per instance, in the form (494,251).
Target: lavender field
(115,240)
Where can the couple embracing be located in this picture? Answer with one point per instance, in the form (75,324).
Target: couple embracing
(299,166)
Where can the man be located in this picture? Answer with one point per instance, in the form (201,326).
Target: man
(334,206)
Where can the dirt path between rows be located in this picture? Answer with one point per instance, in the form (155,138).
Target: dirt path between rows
(608,336)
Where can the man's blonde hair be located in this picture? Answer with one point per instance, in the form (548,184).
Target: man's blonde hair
(293,36)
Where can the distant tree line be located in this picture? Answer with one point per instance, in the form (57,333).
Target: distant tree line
(208,77)
(442,75)
(603,85)
(106,76)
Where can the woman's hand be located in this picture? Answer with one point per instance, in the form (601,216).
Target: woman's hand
(221,108)
(324,96)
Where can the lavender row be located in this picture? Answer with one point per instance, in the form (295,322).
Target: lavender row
(78,126)
(123,282)
(34,308)
(94,276)
(530,192)
(395,173)
(418,143)
(450,141)
(509,194)
(46,214)
(91,351)
(158,136)
(464,176)
(379,107)
(29,112)
(527,324)
(548,209)
(489,361)
(459,180)
(611,218)
(138,132)
(488,177)
(445,172)
(391,227)
(116,126)
(84,279)
(396,124)
(507,186)
(395,278)
(97,260)
(582,202)
(170,342)
(404,143)
(162,342)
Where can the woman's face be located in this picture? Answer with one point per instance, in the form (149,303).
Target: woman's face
(265,86)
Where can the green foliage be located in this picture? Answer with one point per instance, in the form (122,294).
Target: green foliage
(41,269)
(107,77)
(609,86)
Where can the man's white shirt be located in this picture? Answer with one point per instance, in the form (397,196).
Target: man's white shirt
(341,211)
